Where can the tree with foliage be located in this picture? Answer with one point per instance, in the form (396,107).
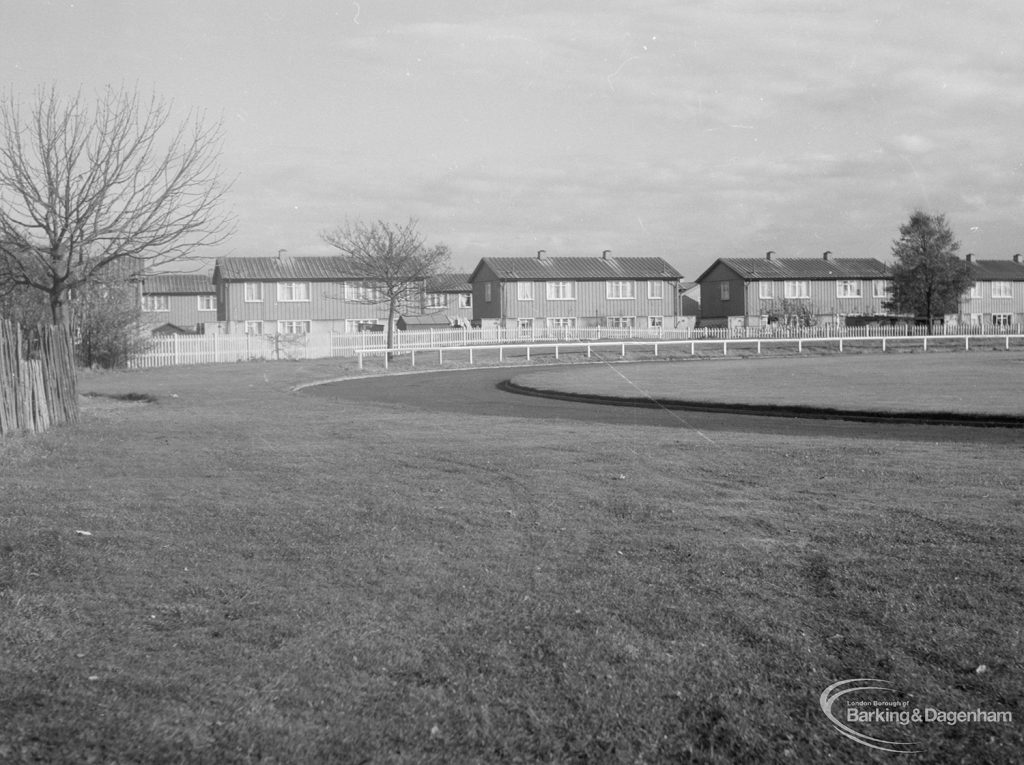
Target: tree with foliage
(394,260)
(84,186)
(928,279)
(787,312)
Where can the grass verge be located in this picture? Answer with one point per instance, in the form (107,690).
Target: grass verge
(272,577)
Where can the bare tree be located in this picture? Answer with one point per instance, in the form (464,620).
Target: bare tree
(84,186)
(393,259)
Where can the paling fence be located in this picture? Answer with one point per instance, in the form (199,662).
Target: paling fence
(37,378)
(207,349)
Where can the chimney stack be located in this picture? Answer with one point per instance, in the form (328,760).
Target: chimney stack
(969,257)
(768,255)
(605,254)
(1016,258)
(826,254)
(540,254)
(281,253)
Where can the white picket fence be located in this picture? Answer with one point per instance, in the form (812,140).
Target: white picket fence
(175,350)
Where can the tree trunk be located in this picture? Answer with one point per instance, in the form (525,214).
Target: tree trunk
(391,327)
(59,309)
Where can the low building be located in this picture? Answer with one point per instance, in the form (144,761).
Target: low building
(569,292)
(185,302)
(754,292)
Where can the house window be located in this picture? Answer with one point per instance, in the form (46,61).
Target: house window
(655,322)
(561,291)
(562,322)
(655,290)
(881,288)
(621,322)
(797,289)
(293,292)
(524,323)
(620,290)
(436,300)
(1002,319)
(155,303)
(361,292)
(976,318)
(254,292)
(1002,290)
(207,302)
(975,292)
(765,290)
(848,288)
(293,327)
(465,300)
(723,290)
(254,328)
(524,290)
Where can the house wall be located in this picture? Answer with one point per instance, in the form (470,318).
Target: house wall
(591,306)
(183,311)
(483,309)
(327,307)
(823,298)
(711,304)
(986,305)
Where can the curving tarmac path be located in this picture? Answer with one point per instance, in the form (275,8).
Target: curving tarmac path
(476,392)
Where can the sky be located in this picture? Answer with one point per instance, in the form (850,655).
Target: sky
(684,129)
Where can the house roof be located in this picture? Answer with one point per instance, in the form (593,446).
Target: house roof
(582,269)
(457,282)
(997,270)
(802,268)
(177,284)
(306,267)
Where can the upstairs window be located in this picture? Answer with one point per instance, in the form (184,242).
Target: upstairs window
(975,292)
(524,290)
(882,288)
(465,300)
(436,300)
(766,290)
(1002,289)
(723,290)
(155,303)
(848,288)
(293,292)
(620,290)
(207,302)
(795,290)
(561,290)
(655,290)
(254,292)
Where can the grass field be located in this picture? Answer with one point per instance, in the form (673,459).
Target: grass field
(274,577)
(974,383)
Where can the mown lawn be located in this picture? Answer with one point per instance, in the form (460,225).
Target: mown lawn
(275,577)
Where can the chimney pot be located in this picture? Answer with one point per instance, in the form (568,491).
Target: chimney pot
(768,255)
(605,253)
(540,254)
(969,257)
(826,254)
(1016,258)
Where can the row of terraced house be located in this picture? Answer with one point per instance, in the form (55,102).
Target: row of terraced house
(321,294)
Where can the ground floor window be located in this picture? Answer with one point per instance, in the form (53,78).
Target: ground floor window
(655,322)
(562,322)
(621,322)
(254,328)
(1002,319)
(524,324)
(293,327)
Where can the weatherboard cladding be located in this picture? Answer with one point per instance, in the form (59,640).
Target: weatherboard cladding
(577,269)
(177,284)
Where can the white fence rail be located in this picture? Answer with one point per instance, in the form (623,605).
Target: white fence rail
(883,342)
(207,349)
